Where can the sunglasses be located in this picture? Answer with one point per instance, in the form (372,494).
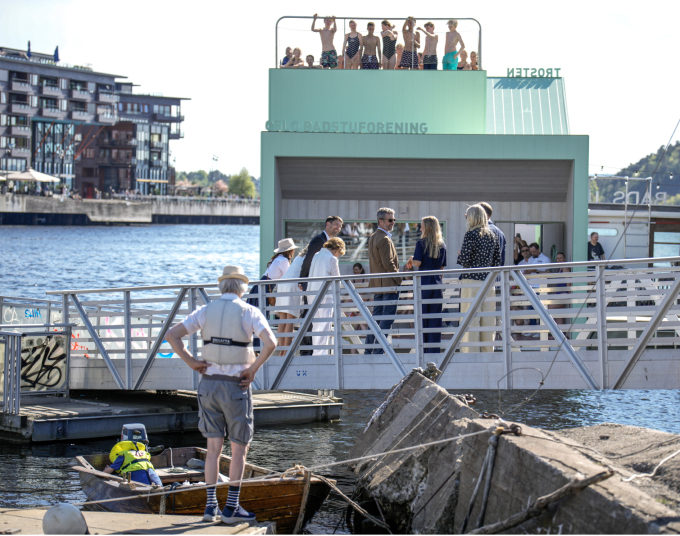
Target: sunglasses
(524,250)
(389,220)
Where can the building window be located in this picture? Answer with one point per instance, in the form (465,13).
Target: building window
(3,97)
(3,120)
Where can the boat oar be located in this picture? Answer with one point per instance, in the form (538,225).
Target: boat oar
(100,474)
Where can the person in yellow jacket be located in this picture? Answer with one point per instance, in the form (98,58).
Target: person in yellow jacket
(132,457)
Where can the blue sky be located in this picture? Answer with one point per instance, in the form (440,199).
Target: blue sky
(617,59)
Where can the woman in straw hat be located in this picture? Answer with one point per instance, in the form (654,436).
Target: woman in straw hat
(289,306)
(325,264)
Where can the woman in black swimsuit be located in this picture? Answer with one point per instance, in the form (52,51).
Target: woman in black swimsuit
(351,46)
(389,37)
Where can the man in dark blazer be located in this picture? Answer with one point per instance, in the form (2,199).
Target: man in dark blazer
(333,226)
(382,258)
(495,230)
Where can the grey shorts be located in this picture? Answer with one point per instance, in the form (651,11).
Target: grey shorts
(224,407)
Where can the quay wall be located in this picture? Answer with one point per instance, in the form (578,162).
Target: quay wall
(34,210)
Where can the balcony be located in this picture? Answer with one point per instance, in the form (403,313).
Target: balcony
(21,108)
(21,152)
(80,94)
(20,87)
(81,115)
(118,161)
(108,119)
(52,91)
(156,145)
(156,163)
(176,135)
(52,113)
(20,131)
(123,142)
(168,118)
(106,97)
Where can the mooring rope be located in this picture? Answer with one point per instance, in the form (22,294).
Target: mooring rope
(295,469)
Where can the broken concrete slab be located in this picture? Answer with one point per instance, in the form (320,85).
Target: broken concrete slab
(428,490)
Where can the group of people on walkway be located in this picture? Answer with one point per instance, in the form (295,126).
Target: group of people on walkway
(483,246)
(370,51)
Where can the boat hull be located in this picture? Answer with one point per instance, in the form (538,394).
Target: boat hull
(276,499)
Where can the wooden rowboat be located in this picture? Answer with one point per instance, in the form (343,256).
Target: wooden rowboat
(291,501)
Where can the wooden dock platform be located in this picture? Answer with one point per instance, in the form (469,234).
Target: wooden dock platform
(89,414)
(29,521)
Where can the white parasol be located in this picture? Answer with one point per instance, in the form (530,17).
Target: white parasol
(32,175)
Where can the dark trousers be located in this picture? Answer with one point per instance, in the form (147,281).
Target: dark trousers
(432,308)
(379,310)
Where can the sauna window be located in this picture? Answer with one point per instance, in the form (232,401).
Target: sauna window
(355,234)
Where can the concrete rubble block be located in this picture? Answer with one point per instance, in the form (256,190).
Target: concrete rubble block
(535,464)
(416,489)
(428,490)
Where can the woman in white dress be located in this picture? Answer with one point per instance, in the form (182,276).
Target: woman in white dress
(292,304)
(325,264)
(278,267)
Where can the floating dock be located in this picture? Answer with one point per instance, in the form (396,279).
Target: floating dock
(29,521)
(103,414)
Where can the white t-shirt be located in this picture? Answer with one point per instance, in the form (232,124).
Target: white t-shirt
(541,259)
(278,267)
(253,323)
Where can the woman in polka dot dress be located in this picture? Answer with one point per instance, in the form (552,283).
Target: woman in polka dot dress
(480,249)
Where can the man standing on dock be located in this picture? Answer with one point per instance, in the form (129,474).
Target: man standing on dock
(224,396)
(382,257)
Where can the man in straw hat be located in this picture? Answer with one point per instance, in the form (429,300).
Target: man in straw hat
(228,367)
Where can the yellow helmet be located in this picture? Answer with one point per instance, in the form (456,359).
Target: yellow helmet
(122,446)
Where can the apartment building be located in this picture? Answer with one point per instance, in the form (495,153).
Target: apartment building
(83,126)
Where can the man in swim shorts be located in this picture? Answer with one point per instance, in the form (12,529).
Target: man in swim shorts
(409,58)
(329,56)
(370,49)
(430,52)
(450,61)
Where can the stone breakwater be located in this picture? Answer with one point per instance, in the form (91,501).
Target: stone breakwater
(34,210)
(428,490)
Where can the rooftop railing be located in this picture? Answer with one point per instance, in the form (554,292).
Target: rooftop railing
(295,31)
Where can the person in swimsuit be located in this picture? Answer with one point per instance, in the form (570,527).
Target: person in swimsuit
(398,54)
(370,49)
(451,54)
(329,56)
(352,45)
(430,52)
(409,59)
(473,61)
(341,62)
(389,38)
(463,63)
(295,61)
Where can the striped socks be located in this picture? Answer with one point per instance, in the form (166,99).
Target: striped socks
(212,497)
(232,498)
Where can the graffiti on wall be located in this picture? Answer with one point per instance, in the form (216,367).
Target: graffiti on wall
(43,363)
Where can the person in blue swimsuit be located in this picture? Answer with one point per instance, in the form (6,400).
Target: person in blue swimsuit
(352,45)
(430,254)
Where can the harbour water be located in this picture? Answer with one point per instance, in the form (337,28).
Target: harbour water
(36,259)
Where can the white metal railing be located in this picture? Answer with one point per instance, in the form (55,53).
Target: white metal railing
(513,325)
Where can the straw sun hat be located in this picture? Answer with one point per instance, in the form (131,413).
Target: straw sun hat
(233,272)
(285,245)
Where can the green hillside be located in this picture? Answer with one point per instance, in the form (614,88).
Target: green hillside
(644,167)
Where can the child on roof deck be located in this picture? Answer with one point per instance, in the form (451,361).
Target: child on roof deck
(329,56)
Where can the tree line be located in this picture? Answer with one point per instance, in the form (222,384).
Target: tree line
(606,188)
(241,183)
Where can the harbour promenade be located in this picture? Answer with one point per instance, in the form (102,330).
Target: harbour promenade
(35,210)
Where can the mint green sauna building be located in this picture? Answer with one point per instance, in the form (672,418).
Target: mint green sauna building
(423,143)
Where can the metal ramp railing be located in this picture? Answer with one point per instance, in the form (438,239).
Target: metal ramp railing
(512,326)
